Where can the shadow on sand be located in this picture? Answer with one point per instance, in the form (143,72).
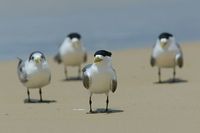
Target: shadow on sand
(36,101)
(171,81)
(73,79)
(103,111)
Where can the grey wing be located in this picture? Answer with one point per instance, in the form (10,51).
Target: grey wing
(85,57)
(21,72)
(152,61)
(180,61)
(114,82)
(57,58)
(86,78)
(86,81)
(180,57)
(114,85)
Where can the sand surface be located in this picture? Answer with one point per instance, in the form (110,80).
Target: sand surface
(139,105)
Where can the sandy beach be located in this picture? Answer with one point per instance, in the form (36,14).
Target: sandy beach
(139,105)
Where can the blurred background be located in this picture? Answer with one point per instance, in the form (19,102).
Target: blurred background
(28,25)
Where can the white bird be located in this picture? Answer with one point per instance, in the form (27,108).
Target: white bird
(71,53)
(100,77)
(166,53)
(34,72)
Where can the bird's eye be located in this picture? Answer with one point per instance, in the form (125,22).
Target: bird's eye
(32,58)
(42,57)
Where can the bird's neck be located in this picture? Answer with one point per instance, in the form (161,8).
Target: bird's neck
(101,65)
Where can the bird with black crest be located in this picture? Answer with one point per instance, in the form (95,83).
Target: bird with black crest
(100,77)
(166,53)
(71,53)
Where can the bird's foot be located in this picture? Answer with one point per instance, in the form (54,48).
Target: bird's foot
(91,111)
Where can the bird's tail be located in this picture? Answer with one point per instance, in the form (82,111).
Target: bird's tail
(20,60)
(57,58)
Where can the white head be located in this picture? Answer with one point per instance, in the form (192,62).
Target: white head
(37,58)
(75,39)
(102,57)
(165,39)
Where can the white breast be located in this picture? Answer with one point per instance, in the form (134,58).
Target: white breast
(37,77)
(72,56)
(101,81)
(165,57)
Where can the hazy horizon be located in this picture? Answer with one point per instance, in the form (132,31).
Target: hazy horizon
(107,24)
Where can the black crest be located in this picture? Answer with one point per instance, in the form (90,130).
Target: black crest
(103,53)
(74,35)
(35,53)
(165,35)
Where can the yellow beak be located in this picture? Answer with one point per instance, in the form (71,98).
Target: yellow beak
(97,59)
(37,60)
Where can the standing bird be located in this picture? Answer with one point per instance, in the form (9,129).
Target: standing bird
(71,53)
(34,72)
(167,53)
(100,77)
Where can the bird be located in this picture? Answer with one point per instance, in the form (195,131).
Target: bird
(34,72)
(71,53)
(166,53)
(100,77)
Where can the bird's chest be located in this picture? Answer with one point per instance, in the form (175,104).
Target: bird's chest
(39,75)
(101,81)
(73,57)
(166,59)
(38,78)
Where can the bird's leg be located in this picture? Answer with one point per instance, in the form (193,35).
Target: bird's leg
(40,91)
(174,74)
(79,71)
(90,102)
(65,70)
(159,75)
(28,93)
(107,101)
